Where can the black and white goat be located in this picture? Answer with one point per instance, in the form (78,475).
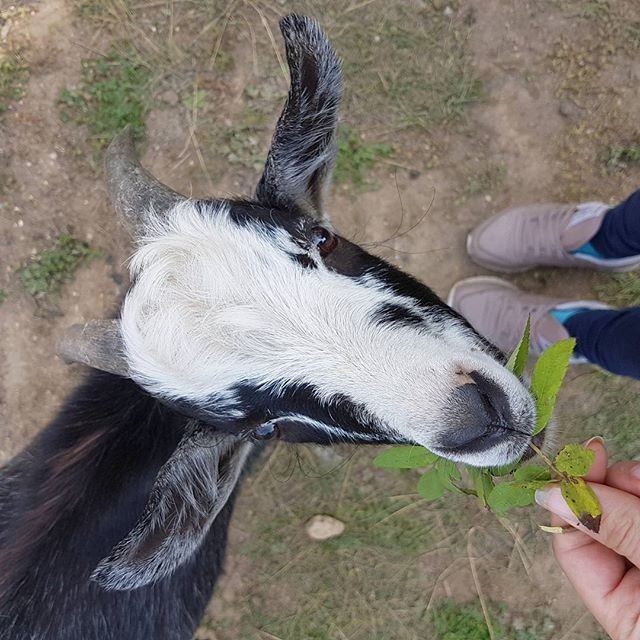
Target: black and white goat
(246,320)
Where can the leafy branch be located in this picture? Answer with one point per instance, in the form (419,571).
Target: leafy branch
(501,489)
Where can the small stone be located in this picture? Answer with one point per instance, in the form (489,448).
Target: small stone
(448,12)
(569,109)
(438,5)
(324,527)
(170,97)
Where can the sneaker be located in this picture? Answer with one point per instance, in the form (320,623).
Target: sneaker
(543,235)
(498,310)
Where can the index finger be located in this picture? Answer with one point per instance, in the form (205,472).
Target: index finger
(620,524)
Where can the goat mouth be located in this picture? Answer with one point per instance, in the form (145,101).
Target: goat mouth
(497,435)
(539,441)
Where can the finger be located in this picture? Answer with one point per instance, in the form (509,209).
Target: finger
(624,476)
(598,470)
(620,524)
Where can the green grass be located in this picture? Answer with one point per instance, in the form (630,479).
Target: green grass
(13,74)
(51,268)
(452,621)
(619,289)
(113,93)
(621,156)
(615,415)
(356,158)
(3,295)
(595,9)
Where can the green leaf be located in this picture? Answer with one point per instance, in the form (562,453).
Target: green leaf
(430,485)
(548,374)
(505,470)
(482,483)
(448,472)
(583,502)
(509,495)
(518,359)
(532,472)
(575,460)
(405,457)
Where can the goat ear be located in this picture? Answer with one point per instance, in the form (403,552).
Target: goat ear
(303,151)
(98,344)
(189,492)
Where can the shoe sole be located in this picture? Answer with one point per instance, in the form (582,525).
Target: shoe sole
(585,264)
(488,280)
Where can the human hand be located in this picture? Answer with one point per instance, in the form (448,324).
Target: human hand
(603,567)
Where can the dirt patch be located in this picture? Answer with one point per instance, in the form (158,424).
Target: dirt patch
(538,132)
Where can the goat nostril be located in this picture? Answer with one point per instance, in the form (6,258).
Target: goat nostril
(480,409)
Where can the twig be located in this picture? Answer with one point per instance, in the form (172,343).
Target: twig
(476,581)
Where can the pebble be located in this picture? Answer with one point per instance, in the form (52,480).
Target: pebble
(321,527)
(170,97)
(568,109)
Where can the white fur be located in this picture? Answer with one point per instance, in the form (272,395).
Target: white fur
(215,303)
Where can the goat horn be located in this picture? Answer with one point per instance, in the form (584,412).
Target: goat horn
(132,189)
(98,344)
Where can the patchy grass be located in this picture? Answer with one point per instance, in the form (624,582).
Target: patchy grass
(621,156)
(406,67)
(241,146)
(615,414)
(51,268)
(13,75)
(485,181)
(595,9)
(113,93)
(363,584)
(453,621)
(356,158)
(3,295)
(619,289)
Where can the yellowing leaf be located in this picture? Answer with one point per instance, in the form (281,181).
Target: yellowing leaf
(583,502)
(430,485)
(575,460)
(518,359)
(548,374)
(405,457)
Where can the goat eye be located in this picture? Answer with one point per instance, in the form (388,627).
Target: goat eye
(266,431)
(323,240)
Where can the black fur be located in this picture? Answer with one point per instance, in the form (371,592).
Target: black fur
(65,504)
(397,315)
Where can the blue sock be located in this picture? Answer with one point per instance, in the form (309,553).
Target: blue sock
(588,249)
(562,315)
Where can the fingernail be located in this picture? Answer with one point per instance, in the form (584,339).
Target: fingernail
(595,439)
(635,471)
(551,499)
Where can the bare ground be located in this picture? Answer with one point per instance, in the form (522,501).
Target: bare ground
(545,119)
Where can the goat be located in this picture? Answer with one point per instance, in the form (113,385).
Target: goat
(246,320)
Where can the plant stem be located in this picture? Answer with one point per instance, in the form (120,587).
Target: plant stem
(546,459)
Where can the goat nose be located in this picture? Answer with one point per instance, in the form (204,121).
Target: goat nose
(479,408)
